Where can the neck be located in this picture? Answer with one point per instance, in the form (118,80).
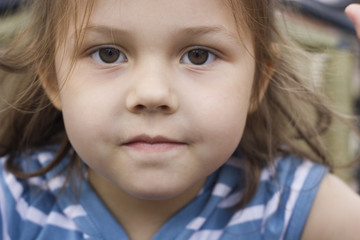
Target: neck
(132,212)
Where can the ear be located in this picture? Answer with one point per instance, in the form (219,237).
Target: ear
(51,88)
(263,85)
(265,79)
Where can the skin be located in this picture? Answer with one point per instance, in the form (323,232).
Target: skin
(114,113)
(199,111)
(353,12)
(335,213)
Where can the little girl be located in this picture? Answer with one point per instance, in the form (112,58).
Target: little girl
(163,120)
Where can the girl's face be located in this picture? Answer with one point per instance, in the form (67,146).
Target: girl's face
(159,94)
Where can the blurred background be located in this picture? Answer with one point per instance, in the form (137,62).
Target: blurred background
(320,27)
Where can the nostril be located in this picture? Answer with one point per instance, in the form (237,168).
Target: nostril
(164,108)
(139,107)
(144,100)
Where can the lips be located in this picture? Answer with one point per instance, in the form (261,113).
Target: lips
(150,140)
(145,143)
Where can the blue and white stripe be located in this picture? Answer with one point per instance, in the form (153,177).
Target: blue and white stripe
(32,209)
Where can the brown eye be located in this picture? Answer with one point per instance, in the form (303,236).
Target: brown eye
(198,57)
(109,55)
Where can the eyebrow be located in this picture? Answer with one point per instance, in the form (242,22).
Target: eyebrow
(192,31)
(204,30)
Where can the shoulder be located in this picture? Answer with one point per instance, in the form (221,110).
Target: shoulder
(282,202)
(335,213)
(288,190)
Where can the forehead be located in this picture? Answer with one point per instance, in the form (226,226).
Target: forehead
(160,9)
(164,14)
(139,19)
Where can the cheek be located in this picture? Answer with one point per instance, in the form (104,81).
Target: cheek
(84,124)
(229,110)
(77,119)
(227,104)
(220,119)
(228,124)
(85,114)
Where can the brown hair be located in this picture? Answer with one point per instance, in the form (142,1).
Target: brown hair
(292,116)
(289,118)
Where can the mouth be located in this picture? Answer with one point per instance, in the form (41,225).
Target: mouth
(146,143)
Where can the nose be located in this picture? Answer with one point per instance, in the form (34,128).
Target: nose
(152,91)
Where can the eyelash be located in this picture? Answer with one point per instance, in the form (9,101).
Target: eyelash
(185,58)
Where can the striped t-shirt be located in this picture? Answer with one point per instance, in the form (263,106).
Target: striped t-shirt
(34,209)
